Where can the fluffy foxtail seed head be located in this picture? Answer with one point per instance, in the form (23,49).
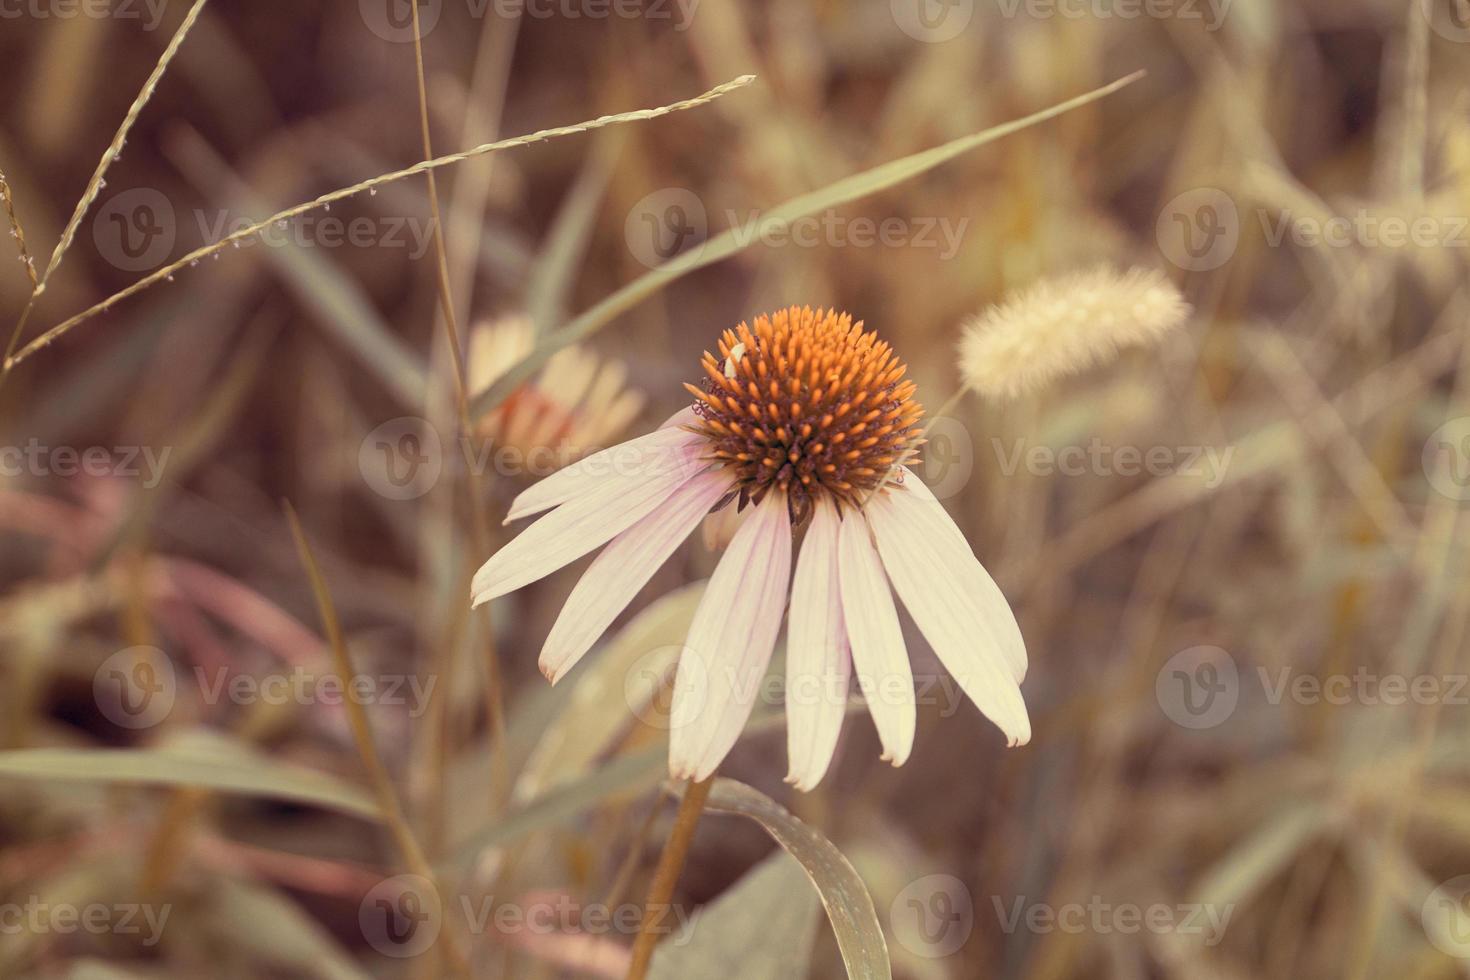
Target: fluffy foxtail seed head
(807,403)
(1062,326)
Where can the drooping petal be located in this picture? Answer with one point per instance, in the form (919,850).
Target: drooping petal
(649,454)
(879,658)
(575,528)
(957,607)
(623,568)
(730,642)
(977,581)
(818,660)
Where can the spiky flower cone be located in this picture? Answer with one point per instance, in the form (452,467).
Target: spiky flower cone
(807,402)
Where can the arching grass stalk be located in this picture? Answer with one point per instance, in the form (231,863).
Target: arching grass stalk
(95,185)
(203,252)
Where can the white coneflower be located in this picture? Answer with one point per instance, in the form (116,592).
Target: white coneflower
(803,426)
(578,402)
(1063,326)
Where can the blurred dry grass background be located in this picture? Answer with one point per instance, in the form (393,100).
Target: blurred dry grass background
(1327,540)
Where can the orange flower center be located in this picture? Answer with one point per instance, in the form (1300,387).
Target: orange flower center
(808,403)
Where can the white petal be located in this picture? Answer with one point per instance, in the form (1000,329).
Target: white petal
(574,529)
(955,604)
(623,568)
(730,642)
(976,580)
(646,455)
(818,660)
(879,658)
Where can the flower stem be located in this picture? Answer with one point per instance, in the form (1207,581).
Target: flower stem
(666,876)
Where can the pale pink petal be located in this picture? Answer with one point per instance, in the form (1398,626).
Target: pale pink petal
(818,661)
(879,658)
(573,529)
(955,604)
(623,568)
(975,580)
(649,454)
(730,642)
